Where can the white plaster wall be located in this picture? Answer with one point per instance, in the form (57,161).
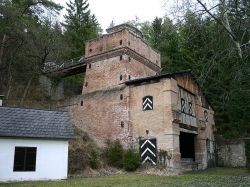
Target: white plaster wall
(51,159)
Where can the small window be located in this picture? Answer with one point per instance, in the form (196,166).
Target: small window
(129,77)
(204,102)
(25,159)
(121,57)
(120,42)
(129,59)
(121,97)
(89,66)
(122,124)
(86,84)
(81,103)
(147,132)
(120,77)
(206,116)
(147,103)
(128,43)
(90,50)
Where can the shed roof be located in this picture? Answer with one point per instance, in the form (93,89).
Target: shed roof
(34,123)
(156,77)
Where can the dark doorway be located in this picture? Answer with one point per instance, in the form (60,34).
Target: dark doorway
(187,146)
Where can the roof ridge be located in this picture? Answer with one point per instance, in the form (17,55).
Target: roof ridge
(40,109)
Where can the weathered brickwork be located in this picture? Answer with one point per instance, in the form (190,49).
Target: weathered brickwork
(121,71)
(103,114)
(113,71)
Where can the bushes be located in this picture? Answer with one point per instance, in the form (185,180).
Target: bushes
(131,160)
(117,157)
(94,159)
(113,153)
(247,149)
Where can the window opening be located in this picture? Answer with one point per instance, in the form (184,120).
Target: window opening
(25,159)
(122,124)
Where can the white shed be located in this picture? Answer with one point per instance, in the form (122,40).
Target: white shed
(33,144)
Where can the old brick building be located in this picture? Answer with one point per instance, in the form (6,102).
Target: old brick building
(125,97)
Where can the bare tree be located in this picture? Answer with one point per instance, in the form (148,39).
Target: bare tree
(219,11)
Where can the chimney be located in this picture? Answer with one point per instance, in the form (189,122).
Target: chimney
(1,100)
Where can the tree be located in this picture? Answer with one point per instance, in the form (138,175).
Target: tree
(21,22)
(200,43)
(80,26)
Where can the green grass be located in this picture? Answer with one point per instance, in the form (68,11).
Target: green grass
(212,177)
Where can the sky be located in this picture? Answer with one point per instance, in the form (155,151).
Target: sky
(121,11)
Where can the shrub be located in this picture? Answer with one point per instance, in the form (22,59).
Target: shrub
(247,149)
(131,160)
(93,159)
(113,153)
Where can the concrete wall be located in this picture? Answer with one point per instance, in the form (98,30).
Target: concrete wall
(51,159)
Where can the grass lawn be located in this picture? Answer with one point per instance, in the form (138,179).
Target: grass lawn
(212,177)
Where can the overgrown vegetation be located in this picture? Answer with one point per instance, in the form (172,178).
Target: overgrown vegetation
(116,156)
(131,160)
(113,153)
(94,159)
(83,153)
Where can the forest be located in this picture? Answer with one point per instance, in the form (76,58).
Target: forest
(213,41)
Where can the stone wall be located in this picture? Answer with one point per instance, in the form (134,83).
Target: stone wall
(52,88)
(231,153)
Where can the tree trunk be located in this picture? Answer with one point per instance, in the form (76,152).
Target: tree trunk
(26,90)
(2,47)
(225,23)
(9,82)
(228,27)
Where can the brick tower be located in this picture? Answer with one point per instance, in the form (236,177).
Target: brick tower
(118,56)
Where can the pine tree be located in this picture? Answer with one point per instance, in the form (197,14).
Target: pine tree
(80,26)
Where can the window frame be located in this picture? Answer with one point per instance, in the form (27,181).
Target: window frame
(27,162)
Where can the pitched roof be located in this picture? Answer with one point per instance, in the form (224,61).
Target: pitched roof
(34,123)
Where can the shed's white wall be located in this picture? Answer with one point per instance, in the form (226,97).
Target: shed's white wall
(51,159)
